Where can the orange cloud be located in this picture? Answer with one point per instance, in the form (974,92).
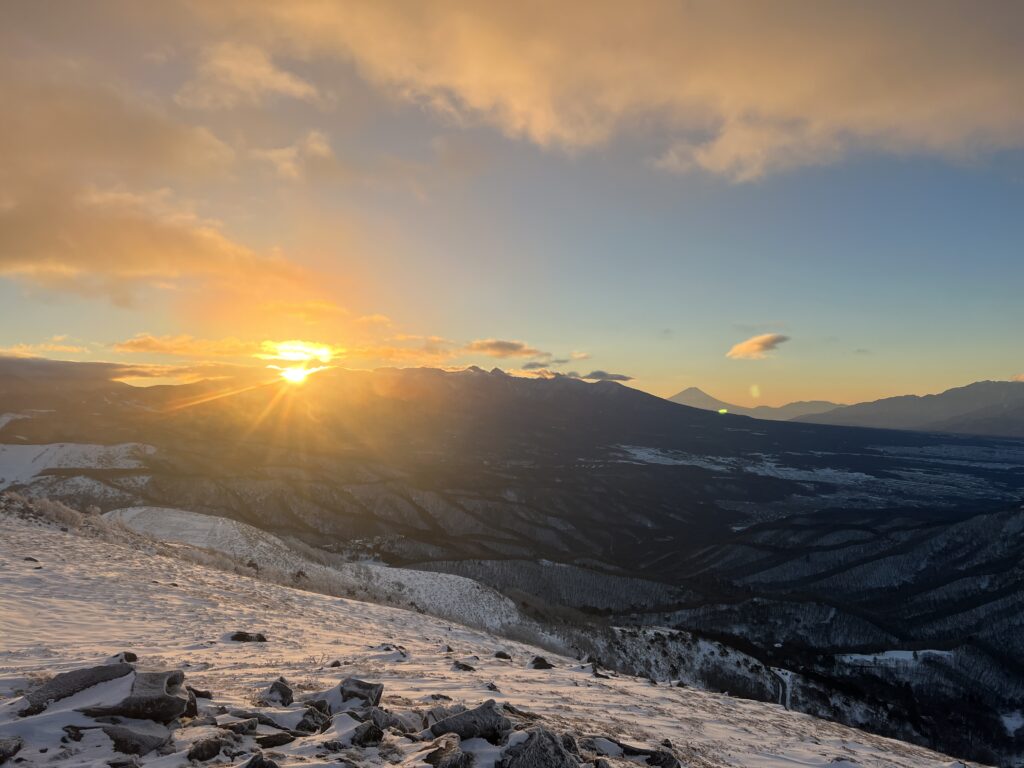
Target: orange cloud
(739,89)
(187,346)
(756,347)
(234,74)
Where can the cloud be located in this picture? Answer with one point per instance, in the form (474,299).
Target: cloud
(112,243)
(97,373)
(503,349)
(310,155)
(55,345)
(600,376)
(756,347)
(187,346)
(63,228)
(739,89)
(233,74)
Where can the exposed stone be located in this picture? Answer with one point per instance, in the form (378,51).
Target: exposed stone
(493,687)
(278,739)
(279,693)
(155,696)
(259,761)
(131,761)
(313,721)
(242,727)
(137,738)
(460,666)
(352,688)
(248,637)
(542,749)
(539,662)
(9,747)
(191,706)
(367,735)
(207,749)
(69,683)
(502,655)
(199,722)
(334,664)
(199,693)
(484,722)
(449,755)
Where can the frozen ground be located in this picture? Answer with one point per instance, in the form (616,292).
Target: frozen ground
(81,600)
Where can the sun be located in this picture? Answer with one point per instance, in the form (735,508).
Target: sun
(302,354)
(295,375)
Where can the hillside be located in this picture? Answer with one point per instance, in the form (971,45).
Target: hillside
(697,398)
(179,616)
(983,408)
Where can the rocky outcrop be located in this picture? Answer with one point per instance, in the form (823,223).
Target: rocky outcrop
(155,696)
(483,722)
(542,749)
(9,747)
(69,683)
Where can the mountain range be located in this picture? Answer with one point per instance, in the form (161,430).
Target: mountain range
(983,408)
(814,559)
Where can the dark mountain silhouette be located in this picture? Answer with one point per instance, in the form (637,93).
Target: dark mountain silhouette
(697,398)
(983,408)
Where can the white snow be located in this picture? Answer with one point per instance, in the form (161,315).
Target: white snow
(454,597)
(20,464)
(86,599)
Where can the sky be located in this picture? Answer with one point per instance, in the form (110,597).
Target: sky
(772,201)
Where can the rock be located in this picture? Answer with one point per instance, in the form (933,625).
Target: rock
(242,727)
(539,662)
(447,649)
(199,693)
(502,655)
(207,749)
(384,719)
(334,664)
(570,745)
(155,696)
(259,761)
(124,762)
(484,722)
(127,656)
(460,666)
(542,749)
(351,688)
(601,675)
(71,733)
(137,738)
(278,739)
(333,745)
(449,755)
(493,687)
(313,721)
(191,706)
(279,693)
(367,735)
(659,758)
(9,747)
(69,683)
(248,637)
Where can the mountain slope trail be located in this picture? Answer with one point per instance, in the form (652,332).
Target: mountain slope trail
(81,600)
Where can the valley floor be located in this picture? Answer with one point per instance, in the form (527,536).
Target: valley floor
(83,600)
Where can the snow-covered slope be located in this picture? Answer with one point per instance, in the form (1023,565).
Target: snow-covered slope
(446,595)
(24,464)
(80,600)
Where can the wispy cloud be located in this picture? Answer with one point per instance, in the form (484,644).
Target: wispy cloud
(600,376)
(756,347)
(233,74)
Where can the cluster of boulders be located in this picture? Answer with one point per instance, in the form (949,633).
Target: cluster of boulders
(161,714)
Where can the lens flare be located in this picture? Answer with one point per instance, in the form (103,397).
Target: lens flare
(304,355)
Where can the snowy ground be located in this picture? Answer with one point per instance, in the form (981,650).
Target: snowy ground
(85,600)
(20,464)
